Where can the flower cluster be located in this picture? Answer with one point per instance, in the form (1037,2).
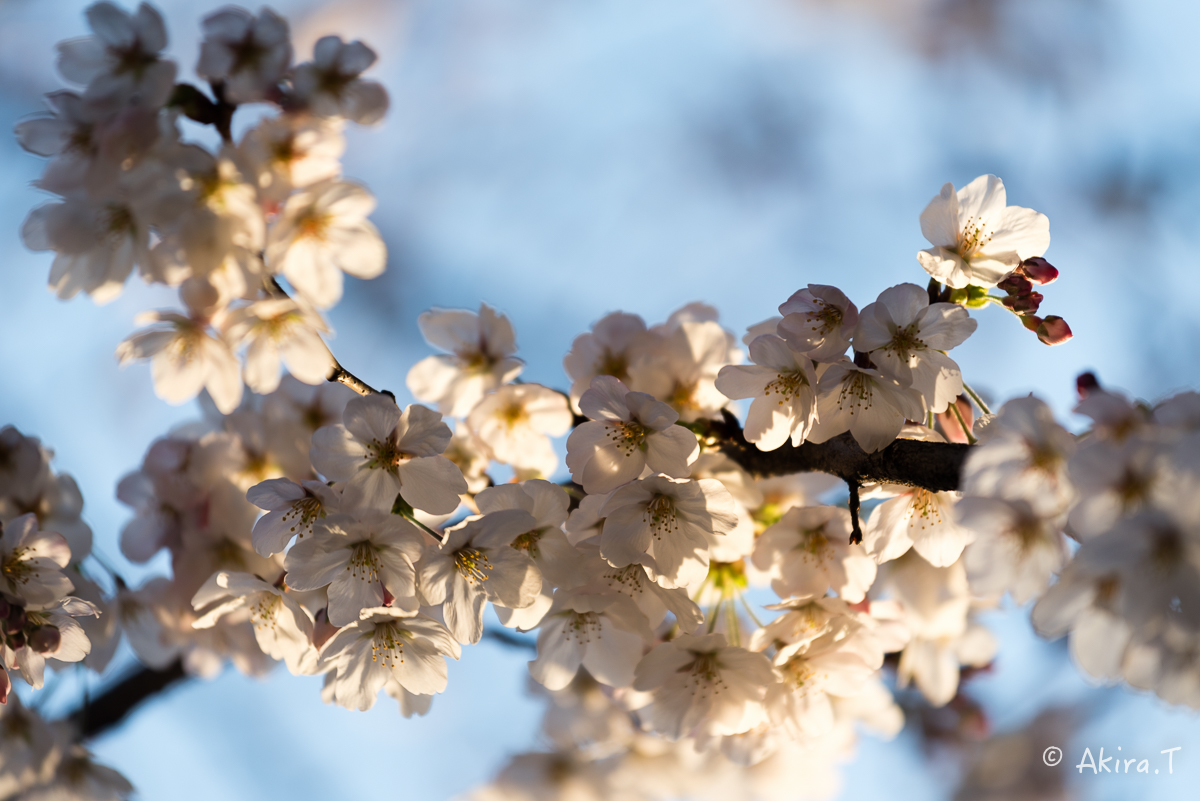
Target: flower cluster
(223,226)
(350,537)
(1130,596)
(50,611)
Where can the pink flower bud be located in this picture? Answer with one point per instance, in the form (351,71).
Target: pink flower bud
(1016,284)
(1086,384)
(1024,304)
(45,640)
(949,423)
(1038,270)
(1054,330)
(1031,321)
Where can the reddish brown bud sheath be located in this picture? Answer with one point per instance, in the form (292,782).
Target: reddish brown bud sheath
(1016,284)
(1054,330)
(1024,304)
(1038,270)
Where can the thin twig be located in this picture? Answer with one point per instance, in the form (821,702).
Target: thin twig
(983,407)
(337,373)
(963,424)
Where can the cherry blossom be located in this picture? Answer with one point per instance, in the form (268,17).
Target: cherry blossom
(700,684)
(282,628)
(381,451)
(481,348)
(681,369)
(627,433)
(185,357)
(783,385)
(808,552)
(383,644)
(605,634)
(615,342)
(96,244)
(1014,548)
(516,421)
(292,151)
(275,331)
(919,519)
(330,85)
(666,525)
(247,54)
(907,337)
(291,511)
(358,561)
(121,59)
(32,562)
(322,232)
(977,238)
(477,563)
(868,404)
(818,321)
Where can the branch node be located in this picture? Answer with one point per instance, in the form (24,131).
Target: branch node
(855,527)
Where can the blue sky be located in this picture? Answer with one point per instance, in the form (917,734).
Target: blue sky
(560,161)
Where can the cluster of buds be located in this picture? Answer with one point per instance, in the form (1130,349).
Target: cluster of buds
(21,628)
(1023,301)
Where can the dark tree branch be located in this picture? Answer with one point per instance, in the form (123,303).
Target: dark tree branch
(109,709)
(935,466)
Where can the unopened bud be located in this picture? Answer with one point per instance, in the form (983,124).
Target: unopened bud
(1054,330)
(1031,321)
(1039,271)
(949,422)
(1024,304)
(15,621)
(45,640)
(1015,284)
(1086,384)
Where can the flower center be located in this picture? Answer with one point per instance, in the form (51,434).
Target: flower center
(797,673)
(705,668)
(582,626)
(660,514)
(384,455)
(857,392)
(683,396)
(246,54)
(786,386)
(813,542)
(824,318)
(513,414)
(364,562)
(387,644)
(528,542)
(473,564)
(974,237)
(627,437)
(614,364)
(313,224)
(303,512)
(905,342)
(264,610)
(17,569)
(926,506)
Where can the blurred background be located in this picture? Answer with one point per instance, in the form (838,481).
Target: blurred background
(563,160)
